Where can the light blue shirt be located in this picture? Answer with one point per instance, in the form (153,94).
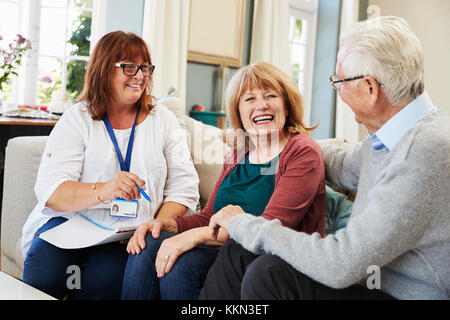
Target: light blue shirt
(395,128)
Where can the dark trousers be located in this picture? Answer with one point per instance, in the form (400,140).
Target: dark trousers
(53,270)
(239,274)
(183,282)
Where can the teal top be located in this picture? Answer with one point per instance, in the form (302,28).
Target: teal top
(249,186)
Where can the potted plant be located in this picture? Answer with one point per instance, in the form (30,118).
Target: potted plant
(11,58)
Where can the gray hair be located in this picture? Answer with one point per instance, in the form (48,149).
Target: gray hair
(386,49)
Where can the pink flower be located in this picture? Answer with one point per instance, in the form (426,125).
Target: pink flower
(11,57)
(7,59)
(46,79)
(20,39)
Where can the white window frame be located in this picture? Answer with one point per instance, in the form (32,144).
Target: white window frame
(307,11)
(24,88)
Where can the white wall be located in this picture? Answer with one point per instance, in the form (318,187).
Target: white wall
(430,21)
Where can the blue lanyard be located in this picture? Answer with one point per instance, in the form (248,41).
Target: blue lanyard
(124,165)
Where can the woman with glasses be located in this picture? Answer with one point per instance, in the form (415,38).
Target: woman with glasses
(276,172)
(114,148)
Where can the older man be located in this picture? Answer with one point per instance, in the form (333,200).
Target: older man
(397,242)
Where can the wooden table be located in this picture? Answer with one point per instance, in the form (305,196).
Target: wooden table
(26,121)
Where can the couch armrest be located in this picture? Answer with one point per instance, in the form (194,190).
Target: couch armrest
(23,156)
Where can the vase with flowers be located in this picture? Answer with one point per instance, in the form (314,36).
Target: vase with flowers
(11,58)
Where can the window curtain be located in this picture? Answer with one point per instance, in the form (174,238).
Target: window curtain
(270,35)
(165,29)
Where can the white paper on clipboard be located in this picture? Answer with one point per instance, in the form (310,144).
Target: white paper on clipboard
(81,232)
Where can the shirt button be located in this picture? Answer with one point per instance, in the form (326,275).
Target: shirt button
(49,155)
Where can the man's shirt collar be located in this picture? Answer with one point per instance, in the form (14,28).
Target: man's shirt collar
(395,128)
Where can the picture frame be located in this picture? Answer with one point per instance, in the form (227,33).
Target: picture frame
(216,32)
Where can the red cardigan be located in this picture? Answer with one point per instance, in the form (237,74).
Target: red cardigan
(298,199)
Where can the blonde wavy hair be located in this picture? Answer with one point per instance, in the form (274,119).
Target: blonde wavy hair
(264,75)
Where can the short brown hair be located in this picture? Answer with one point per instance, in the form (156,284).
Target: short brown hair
(263,75)
(112,47)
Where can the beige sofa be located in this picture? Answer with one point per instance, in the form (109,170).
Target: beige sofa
(23,155)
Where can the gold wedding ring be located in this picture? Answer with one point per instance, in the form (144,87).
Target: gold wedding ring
(166,257)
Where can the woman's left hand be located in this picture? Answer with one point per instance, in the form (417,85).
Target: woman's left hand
(171,249)
(222,219)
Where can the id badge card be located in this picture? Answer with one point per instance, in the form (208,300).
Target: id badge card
(123,208)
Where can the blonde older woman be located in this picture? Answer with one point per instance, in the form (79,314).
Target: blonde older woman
(277,173)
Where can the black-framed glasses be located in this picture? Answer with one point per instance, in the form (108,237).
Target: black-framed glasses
(335,82)
(130,69)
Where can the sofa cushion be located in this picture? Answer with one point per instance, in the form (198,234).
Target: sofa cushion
(339,209)
(207,152)
(205,144)
(175,104)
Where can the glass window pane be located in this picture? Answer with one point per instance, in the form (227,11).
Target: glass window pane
(9,22)
(298,23)
(298,30)
(291,28)
(79,32)
(49,78)
(72,39)
(301,82)
(295,73)
(298,53)
(79,26)
(76,70)
(298,36)
(6,92)
(9,28)
(52,34)
(82,3)
(54,3)
(304,33)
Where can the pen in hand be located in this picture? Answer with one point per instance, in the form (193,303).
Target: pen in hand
(145,195)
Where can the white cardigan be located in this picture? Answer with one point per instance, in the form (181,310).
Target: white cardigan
(80,149)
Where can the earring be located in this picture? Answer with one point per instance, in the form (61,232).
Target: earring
(147,89)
